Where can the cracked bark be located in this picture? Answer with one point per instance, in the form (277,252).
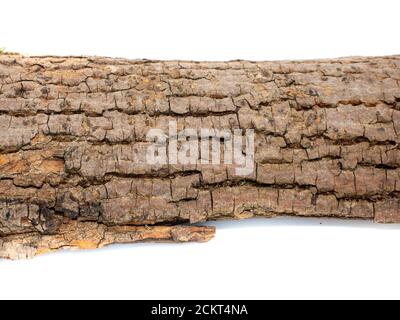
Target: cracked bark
(326,144)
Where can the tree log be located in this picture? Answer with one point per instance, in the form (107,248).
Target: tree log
(74,139)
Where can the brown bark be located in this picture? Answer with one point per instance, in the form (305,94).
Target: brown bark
(326,144)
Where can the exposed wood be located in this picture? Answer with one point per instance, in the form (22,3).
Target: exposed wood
(72,129)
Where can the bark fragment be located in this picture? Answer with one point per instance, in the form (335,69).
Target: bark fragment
(72,130)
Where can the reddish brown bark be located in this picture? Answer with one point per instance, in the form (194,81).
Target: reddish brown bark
(326,144)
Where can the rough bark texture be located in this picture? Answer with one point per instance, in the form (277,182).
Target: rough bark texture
(327,144)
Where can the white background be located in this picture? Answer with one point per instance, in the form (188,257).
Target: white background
(279,258)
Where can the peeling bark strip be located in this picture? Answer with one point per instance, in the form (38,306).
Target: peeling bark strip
(326,144)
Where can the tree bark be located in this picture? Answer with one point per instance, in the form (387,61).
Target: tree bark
(72,129)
